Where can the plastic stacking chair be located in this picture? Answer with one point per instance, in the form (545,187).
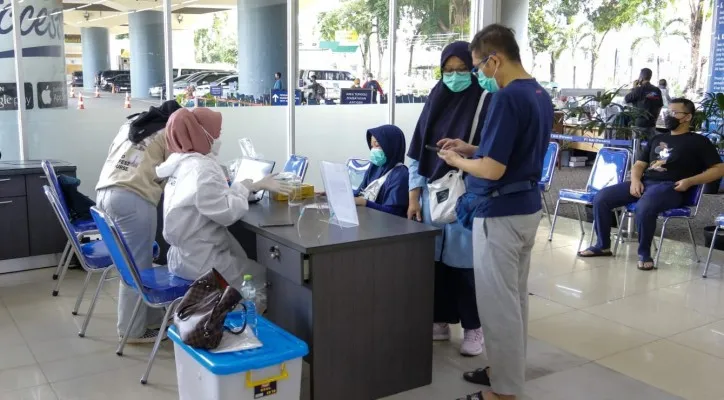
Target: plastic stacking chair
(93,257)
(298,165)
(719,225)
(609,169)
(686,212)
(80,228)
(156,286)
(356,168)
(549,170)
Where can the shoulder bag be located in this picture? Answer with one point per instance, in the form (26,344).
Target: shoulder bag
(200,315)
(444,192)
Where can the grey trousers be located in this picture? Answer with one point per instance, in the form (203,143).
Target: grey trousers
(136,218)
(501,256)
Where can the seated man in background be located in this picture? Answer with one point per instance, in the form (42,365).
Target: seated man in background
(666,168)
(385,184)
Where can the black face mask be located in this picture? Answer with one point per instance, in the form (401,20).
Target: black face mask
(671,122)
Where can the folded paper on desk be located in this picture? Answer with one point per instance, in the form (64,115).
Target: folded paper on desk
(339,194)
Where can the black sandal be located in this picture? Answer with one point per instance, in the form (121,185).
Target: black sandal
(478,377)
(642,265)
(594,252)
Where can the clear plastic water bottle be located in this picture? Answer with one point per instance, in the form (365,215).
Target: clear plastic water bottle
(248,294)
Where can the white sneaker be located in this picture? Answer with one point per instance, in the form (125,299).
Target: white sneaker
(473,343)
(440,332)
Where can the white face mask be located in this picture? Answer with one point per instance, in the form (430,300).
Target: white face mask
(215,147)
(215,143)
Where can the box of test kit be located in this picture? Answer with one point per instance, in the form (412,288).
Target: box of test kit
(307,193)
(272,371)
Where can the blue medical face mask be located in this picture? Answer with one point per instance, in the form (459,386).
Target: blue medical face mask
(488,83)
(378,157)
(456,81)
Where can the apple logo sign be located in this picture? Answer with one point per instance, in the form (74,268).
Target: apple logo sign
(45,95)
(51,94)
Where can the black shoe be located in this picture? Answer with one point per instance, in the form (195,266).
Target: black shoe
(478,377)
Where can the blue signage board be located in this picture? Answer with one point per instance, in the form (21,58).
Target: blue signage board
(716,55)
(280,97)
(355,96)
(216,90)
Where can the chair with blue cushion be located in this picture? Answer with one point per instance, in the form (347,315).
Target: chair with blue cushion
(357,168)
(719,224)
(549,170)
(79,228)
(686,212)
(93,257)
(156,286)
(298,165)
(609,169)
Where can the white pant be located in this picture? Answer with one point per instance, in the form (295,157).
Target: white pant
(501,256)
(136,218)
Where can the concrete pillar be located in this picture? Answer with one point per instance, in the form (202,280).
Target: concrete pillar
(96,54)
(43,67)
(147,61)
(511,13)
(262,44)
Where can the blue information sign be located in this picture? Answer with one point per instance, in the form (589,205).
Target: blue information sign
(716,56)
(355,96)
(280,97)
(216,90)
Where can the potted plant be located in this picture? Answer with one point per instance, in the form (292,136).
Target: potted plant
(600,115)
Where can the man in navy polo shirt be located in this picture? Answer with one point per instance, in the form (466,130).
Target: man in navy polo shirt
(502,204)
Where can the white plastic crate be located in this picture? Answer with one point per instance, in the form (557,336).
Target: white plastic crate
(273,371)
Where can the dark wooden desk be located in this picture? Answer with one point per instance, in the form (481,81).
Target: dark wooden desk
(30,231)
(362,298)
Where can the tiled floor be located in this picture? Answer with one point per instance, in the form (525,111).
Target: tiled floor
(599,329)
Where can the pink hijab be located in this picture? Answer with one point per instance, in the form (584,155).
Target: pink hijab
(185,130)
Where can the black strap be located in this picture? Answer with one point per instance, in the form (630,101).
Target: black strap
(515,187)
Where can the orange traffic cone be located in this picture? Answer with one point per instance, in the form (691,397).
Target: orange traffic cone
(127,103)
(81,105)
(72,92)
(98,93)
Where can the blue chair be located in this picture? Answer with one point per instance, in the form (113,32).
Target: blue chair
(686,212)
(609,169)
(80,228)
(93,257)
(356,168)
(719,225)
(549,170)
(157,286)
(298,165)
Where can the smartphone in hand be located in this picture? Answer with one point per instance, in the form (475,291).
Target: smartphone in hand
(433,148)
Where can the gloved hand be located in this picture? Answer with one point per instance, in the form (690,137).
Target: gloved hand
(272,185)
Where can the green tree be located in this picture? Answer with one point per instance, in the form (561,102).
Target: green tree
(660,29)
(541,28)
(353,15)
(424,16)
(611,15)
(577,37)
(698,9)
(216,44)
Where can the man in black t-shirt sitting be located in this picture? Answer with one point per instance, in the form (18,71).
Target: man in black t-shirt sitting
(666,168)
(647,98)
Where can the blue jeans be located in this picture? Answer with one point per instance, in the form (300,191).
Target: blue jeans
(657,198)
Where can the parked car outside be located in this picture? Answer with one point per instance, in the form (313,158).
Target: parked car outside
(76,79)
(109,74)
(159,89)
(196,80)
(121,83)
(225,83)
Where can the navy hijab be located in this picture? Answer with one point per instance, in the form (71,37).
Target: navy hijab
(446,114)
(392,141)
